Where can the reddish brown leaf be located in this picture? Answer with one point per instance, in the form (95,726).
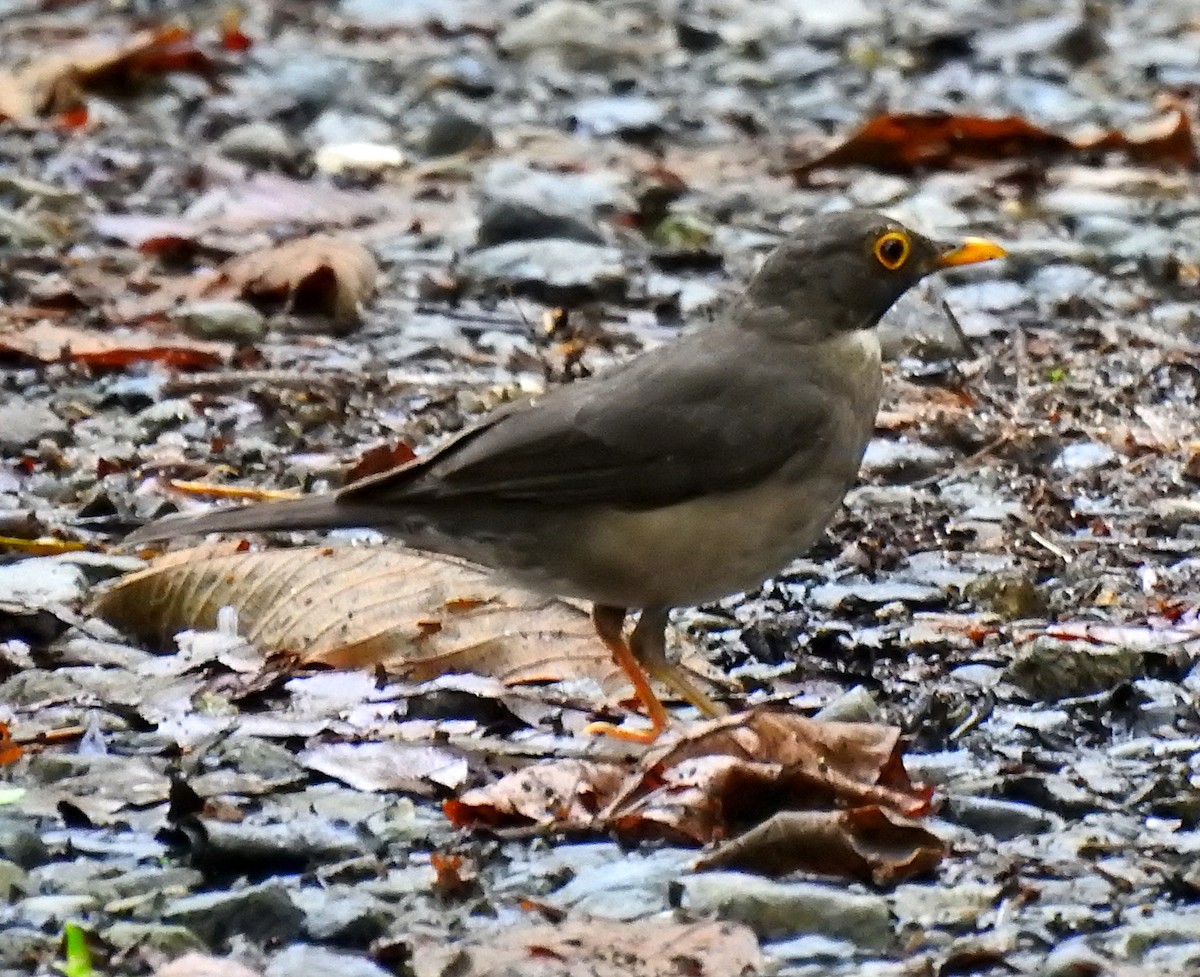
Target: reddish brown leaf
(10,752)
(567,794)
(906,142)
(46,342)
(323,273)
(381,458)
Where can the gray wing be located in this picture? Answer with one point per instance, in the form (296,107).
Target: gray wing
(674,424)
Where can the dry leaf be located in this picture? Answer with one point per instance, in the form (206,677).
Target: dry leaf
(382,458)
(10,752)
(357,607)
(322,274)
(376,767)
(905,142)
(732,775)
(47,342)
(866,843)
(600,948)
(55,84)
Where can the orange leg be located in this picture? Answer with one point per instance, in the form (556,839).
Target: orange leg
(610,622)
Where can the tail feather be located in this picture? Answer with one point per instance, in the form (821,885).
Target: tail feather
(314,512)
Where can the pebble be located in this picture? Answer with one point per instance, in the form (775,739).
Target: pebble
(300,960)
(1002,820)
(257,144)
(1049,669)
(238,322)
(39,582)
(552,266)
(775,910)
(25,423)
(257,912)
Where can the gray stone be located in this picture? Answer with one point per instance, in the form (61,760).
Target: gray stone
(452,132)
(170,940)
(23,423)
(775,910)
(551,266)
(39,582)
(257,143)
(300,960)
(904,460)
(257,912)
(239,322)
(21,843)
(1003,820)
(1049,669)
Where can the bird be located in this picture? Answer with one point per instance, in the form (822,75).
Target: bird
(695,470)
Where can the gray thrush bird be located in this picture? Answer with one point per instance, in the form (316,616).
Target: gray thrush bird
(693,471)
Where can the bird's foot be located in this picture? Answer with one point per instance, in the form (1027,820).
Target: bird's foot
(625,733)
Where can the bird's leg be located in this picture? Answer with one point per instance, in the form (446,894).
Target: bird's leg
(649,645)
(610,623)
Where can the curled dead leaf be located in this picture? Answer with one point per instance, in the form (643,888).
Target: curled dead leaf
(323,274)
(867,843)
(909,141)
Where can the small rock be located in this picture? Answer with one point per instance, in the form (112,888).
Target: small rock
(1013,597)
(358,157)
(903,460)
(1049,669)
(834,596)
(40,582)
(24,423)
(855,706)
(1003,820)
(236,321)
(14,882)
(21,843)
(257,144)
(501,221)
(453,133)
(552,267)
(300,960)
(170,940)
(257,912)
(334,127)
(1084,456)
(780,909)
(619,115)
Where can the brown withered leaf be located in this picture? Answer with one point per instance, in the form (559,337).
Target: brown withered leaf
(565,794)
(55,84)
(357,607)
(599,948)
(906,142)
(732,775)
(47,342)
(323,274)
(867,843)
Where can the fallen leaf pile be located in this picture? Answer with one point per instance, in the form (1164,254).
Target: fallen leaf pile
(823,797)
(907,142)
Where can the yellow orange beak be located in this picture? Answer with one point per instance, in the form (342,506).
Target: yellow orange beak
(970,252)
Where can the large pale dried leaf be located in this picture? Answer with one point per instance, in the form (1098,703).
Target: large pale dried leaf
(599,948)
(48,342)
(355,607)
(732,775)
(904,142)
(323,273)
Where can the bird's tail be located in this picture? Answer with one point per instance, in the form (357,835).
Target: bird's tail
(314,512)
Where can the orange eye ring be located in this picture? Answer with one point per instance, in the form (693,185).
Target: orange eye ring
(892,249)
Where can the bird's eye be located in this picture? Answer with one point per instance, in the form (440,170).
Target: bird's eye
(892,250)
